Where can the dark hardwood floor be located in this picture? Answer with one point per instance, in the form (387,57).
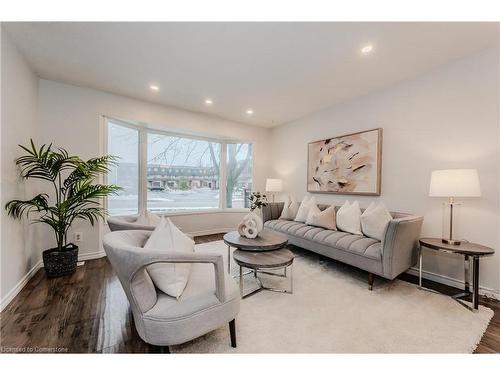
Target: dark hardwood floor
(88,312)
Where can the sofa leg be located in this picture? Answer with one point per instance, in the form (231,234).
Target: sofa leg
(370,281)
(232,332)
(159,349)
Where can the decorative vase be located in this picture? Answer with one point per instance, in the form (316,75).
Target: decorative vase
(251,225)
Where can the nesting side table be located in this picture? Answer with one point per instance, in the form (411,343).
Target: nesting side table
(260,255)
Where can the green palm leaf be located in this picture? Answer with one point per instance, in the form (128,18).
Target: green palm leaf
(17,208)
(76,196)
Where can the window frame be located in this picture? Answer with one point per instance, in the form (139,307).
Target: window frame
(145,129)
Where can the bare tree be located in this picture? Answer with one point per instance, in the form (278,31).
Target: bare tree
(174,148)
(234,169)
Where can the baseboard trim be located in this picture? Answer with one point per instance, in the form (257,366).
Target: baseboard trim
(89,256)
(20,285)
(450,281)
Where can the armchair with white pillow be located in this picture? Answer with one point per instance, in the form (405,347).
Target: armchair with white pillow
(144,221)
(175,293)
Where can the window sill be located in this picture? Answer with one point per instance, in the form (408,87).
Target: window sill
(202,212)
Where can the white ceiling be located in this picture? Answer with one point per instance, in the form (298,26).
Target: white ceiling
(282,71)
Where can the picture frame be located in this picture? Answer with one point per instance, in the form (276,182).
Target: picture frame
(346,164)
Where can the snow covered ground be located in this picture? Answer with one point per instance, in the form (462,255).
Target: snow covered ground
(172,200)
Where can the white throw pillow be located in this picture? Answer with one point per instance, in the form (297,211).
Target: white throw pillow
(170,278)
(313,210)
(148,218)
(374,221)
(304,208)
(289,210)
(349,218)
(324,219)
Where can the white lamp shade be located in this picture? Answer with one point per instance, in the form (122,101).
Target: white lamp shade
(273,184)
(455,183)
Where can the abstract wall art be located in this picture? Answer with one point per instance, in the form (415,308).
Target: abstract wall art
(349,164)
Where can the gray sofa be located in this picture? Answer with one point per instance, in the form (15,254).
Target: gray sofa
(388,258)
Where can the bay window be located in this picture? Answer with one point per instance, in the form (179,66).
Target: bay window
(123,142)
(170,172)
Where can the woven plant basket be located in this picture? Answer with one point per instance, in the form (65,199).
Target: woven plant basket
(60,263)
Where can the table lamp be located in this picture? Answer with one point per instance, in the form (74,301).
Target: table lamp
(453,183)
(274,185)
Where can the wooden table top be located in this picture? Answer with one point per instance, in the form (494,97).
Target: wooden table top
(266,240)
(465,248)
(269,259)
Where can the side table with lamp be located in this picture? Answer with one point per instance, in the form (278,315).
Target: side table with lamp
(453,183)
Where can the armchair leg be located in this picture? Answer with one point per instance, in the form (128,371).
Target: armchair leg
(370,281)
(232,331)
(159,349)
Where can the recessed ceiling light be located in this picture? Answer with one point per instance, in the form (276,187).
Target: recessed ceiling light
(249,111)
(209,102)
(154,87)
(367,49)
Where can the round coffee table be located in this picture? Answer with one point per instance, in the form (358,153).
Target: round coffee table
(261,254)
(266,241)
(263,262)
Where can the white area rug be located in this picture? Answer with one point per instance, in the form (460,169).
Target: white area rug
(332,311)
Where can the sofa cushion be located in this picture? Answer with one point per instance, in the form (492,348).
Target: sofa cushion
(374,221)
(289,210)
(348,218)
(324,219)
(304,208)
(354,243)
(284,225)
(272,223)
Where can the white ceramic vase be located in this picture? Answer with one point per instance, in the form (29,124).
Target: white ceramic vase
(251,225)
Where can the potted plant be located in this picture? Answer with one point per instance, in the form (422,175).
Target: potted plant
(76,196)
(252,224)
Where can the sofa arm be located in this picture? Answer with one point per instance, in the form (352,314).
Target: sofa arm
(272,211)
(148,258)
(400,245)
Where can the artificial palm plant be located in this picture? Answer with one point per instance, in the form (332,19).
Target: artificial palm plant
(76,194)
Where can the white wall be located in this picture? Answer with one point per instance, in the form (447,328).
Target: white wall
(448,118)
(70,117)
(19,103)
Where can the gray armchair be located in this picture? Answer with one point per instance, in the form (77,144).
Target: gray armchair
(126,222)
(210,300)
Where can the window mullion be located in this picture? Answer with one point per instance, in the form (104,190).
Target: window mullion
(223,175)
(143,170)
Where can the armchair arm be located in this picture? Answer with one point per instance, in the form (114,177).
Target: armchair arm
(400,244)
(148,258)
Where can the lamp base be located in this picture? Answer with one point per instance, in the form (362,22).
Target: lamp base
(451,241)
